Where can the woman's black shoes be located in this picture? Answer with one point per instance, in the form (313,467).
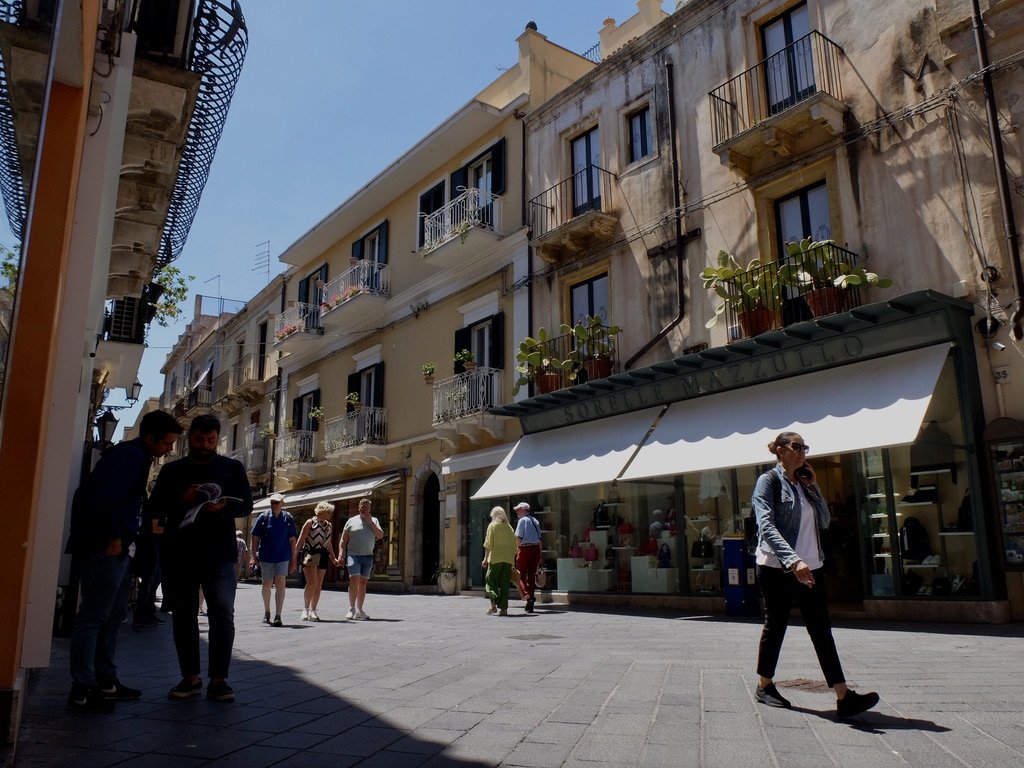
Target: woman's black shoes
(770,695)
(854,703)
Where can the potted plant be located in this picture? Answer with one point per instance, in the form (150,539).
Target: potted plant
(593,346)
(428,369)
(752,292)
(820,271)
(467,359)
(446,575)
(267,430)
(317,413)
(535,361)
(352,398)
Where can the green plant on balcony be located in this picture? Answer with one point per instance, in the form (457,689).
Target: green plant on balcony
(752,292)
(317,413)
(535,361)
(464,356)
(820,270)
(352,398)
(267,430)
(429,369)
(286,330)
(593,347)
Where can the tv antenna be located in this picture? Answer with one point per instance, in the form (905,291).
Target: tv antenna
(261,261)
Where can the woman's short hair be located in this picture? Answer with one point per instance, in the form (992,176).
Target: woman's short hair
(324,507)
(781,441)
(498,515)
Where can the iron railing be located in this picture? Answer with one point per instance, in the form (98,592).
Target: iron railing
(297,445)
(565,362)
(593,53)
(472,209)
(360,426)
(199,397)
(807,66)
(254,437)
(222,386)
(12,183)
(243,370)
(589,189)
(365,277)
(466,394)
(297,319)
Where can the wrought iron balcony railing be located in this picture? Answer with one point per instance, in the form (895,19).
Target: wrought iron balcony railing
(221,386)
(807,66)
(361,426)
(562,361)
(199,397)
(365,277)
(466,394)
(302,318)
(473,209)
(297,445)
(589,189)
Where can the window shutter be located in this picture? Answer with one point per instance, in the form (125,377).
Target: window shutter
(323,272)
(354,385)
(314,424)
(459,179)
(496,353)
(357,249)
(463,340)
(382,242)
(378,385)
(297,413)
(304,291)
(498,167)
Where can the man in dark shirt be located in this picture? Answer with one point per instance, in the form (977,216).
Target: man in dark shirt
(105,518)
(201,553)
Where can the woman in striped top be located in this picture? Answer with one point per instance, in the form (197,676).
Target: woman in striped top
(314,550)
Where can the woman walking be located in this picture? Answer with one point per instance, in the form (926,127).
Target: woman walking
(315,550)
(790,510)
(499,553)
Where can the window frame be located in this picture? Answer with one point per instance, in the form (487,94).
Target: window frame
(646,111)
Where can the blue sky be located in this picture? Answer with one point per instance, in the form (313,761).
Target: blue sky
(331,92)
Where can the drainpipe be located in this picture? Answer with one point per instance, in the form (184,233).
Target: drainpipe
(526,222)
(1009,225)
(677,203)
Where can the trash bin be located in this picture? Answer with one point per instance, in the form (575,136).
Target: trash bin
(742,596)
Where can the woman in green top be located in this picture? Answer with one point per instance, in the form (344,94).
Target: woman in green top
(499,554)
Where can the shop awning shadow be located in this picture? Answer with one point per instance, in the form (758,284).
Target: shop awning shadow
(878,723)
(279,714)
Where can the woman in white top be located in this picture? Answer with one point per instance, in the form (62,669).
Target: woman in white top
(314,550)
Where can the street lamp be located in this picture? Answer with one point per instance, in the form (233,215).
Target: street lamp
(105,425)
(135,392)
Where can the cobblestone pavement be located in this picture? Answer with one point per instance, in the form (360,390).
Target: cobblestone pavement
(433,681)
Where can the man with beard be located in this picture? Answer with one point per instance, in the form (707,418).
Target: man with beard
(200,551)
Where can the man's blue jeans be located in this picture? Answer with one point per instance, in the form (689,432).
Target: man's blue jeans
(103,583)
(218,583)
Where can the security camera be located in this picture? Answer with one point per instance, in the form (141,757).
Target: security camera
(998,346)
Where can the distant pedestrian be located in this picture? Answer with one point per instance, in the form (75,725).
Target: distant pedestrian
(105,522)
(361,533)
(243,556)
(499,554)
(528,553)
(200,552)
(790,510)
(315,551)
(273,546)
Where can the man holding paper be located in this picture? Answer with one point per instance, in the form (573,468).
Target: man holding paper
(197,498)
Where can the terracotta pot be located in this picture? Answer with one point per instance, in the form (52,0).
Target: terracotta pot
(548,382)
(756,321)
(598,368)
(447,583)
(826,301)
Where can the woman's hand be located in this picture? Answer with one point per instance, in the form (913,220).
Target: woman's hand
(485,563)
(803,573)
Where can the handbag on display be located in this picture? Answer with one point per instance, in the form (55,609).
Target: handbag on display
(590,554)
(575,550)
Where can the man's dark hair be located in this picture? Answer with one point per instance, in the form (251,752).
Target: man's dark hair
(203,424)
(156,424)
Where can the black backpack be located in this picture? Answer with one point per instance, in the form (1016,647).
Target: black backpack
(914,540)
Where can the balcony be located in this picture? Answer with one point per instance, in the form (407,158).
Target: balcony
(359,438)
(296,454)
(254,455)
(345,300)
(778,294)
(461,405)
(562,361)
(222,391)
(297,326)
(245,382)
(473,218)
(574,215)
(199,400)
(788,104)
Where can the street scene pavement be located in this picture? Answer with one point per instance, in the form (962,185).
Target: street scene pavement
(432,681)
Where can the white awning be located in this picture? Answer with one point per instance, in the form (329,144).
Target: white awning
(335,492)
(485,457)
(581,454)
(874,404)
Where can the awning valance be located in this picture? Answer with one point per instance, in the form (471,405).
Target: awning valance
(333,492)
(873,404)
(581,454)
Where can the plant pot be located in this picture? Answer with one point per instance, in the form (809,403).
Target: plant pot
(447,583)
(428,380)
(756,321)
(826,301)
(469,367)
(598,368)
(548,382)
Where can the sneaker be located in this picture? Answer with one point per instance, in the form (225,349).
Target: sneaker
(313,615)
(266,617)
(82,699)
(277,622)
(305,615)
(351,613)
(854,703)
(186,689)
(503,612)
(770,696)
(118,692)
(219,690)
(361,615)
